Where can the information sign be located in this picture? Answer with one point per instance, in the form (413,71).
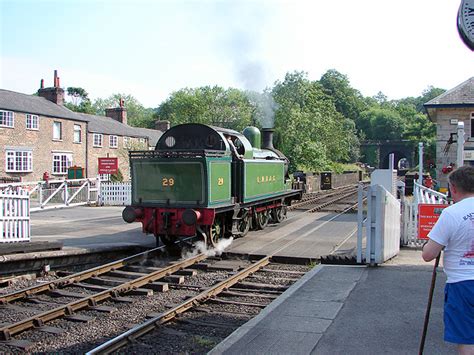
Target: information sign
(428,214)
(108,165)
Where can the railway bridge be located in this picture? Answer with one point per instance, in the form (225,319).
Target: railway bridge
(376,153)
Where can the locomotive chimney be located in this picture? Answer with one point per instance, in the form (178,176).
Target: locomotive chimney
(267,136)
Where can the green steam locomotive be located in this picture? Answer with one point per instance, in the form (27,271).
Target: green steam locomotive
(210,182)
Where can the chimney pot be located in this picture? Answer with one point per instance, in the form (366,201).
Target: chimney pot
(162,125)
(42,84)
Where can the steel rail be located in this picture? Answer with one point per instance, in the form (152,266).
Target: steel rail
(77,277)
(317,208)
(320,197)
(134,333)
(38,320)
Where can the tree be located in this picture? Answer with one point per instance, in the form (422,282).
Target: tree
(309,130)
(80,101)
(229,108)
(137,114)
(347,100)
(381,124)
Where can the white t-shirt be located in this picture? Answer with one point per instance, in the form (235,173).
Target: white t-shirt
(455,230)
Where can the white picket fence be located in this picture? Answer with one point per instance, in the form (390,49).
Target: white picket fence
(421,194)
(115,193)
(14,216)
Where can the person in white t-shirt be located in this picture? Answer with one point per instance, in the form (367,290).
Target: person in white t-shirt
(454,231)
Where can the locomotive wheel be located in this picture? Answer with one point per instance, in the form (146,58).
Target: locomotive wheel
(261,219)
(216,231)
(244,225)
(278,214)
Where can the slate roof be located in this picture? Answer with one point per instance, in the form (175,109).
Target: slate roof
(18,102)
(15,101)
(461,95)
(107,125)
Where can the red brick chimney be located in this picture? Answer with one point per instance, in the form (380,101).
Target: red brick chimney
(54,94)
(117,113)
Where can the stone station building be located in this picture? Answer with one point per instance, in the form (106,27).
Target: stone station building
(446,110)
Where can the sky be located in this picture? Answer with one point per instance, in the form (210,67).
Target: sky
(150,49)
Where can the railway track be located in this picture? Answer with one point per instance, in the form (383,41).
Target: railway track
(152,334)
(38,317)
(234,290)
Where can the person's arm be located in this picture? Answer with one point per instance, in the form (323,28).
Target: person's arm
(431,250)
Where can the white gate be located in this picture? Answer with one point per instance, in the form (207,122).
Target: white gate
(382,226)
(116,193)
(421,194)
(14,216)
(58,193)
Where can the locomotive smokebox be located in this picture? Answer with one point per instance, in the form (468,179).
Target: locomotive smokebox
(267,135)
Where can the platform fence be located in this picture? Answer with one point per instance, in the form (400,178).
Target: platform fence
(115,193)
(15,216)
(421,194)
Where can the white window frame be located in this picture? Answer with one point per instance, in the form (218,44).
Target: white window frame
(77,129)
(113,141)
(126,142)
(55,124)
(63,161)
(32,122)
(97,140)
(7,119)
(18,160)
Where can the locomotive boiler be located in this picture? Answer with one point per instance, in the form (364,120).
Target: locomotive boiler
(210,182)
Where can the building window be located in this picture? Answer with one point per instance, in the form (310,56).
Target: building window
(126,142)
(6,118)
(97,141)
(77,133)
(472,125)
(113,141)
(61,162)
(32,122)
(19,161)
(57,131)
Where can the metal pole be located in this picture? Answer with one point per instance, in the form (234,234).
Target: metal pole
(420,163)
(460,151)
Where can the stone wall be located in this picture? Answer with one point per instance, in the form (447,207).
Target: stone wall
(446,155)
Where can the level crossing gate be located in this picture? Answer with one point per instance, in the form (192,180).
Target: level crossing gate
(14,216)
(381,225)
(115,193)
(421,194)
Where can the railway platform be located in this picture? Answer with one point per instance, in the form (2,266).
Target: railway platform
(350,310)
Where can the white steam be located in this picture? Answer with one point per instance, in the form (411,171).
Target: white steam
(201,248)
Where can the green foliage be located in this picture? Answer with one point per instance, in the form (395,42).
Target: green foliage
(381,124)
(137,114)
(80,101)
(347,100)
(370,155)
(208,105)
(117,177)
(308,128)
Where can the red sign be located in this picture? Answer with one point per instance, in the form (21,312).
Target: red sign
(428,214)
(108,165)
